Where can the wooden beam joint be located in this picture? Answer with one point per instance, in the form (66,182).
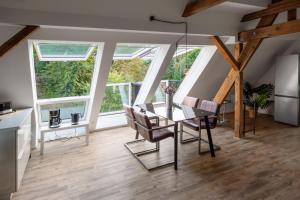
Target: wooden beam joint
(225,53)
(271,31)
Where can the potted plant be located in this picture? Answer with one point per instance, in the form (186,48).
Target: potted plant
(258,97)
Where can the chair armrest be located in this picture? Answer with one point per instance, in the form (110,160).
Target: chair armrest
(163,127)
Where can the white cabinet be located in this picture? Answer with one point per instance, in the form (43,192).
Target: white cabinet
(15,140)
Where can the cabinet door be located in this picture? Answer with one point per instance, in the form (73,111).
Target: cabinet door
(7,162)
(24,141)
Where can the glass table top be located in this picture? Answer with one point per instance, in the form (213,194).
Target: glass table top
(177,113)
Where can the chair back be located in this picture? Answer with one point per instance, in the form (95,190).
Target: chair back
(130,117)
(190,101)
(144,126)
(213,107)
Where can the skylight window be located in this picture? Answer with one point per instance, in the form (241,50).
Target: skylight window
(184,49)
(129,51)
(51,51)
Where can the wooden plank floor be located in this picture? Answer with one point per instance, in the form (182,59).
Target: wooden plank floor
(264,166)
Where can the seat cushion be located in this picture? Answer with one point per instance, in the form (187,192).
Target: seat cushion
(194,124)
(161,134)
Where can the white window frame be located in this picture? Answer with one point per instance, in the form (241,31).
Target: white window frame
(87,99)
(41,58)
(42,102)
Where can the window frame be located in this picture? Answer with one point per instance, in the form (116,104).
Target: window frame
(42,58)
(86,98)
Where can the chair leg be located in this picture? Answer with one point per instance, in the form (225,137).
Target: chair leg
(157,146)
(145,152)
(199,141)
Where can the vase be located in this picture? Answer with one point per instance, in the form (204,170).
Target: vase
(169,101)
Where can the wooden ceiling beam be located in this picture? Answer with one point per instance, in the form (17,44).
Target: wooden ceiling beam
(199,5)
(14,40)
(271,31)
(225,52)
(274,8)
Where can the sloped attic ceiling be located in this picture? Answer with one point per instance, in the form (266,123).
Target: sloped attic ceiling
(127,14)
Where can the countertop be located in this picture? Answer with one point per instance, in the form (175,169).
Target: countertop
(14,120)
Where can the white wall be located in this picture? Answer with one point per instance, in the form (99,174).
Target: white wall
(15,78)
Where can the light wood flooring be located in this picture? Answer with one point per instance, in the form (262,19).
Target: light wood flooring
(261,166)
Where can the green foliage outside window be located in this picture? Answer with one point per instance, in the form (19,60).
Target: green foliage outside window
(73,78)
(56,79)
(134,70)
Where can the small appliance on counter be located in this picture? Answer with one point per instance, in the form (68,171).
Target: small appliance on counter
(6,107)
(75,117)
(54,118)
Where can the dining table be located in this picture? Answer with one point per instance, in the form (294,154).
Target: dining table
(176,114)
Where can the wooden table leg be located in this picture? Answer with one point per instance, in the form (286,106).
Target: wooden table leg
(175,145)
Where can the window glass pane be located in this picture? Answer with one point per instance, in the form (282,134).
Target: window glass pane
(65,110)
(60,50)
(182,61)
(128,51)
(56,79)
(126,75)
(116,95)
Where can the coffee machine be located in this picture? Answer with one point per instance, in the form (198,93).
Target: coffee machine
(54,118)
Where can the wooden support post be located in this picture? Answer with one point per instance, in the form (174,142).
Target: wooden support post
(238,85)
(236,77)
(226,86)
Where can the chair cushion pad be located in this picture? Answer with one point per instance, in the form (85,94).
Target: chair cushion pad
(161,134)
(194,124)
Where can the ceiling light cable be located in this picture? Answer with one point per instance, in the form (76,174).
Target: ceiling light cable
(152,18)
